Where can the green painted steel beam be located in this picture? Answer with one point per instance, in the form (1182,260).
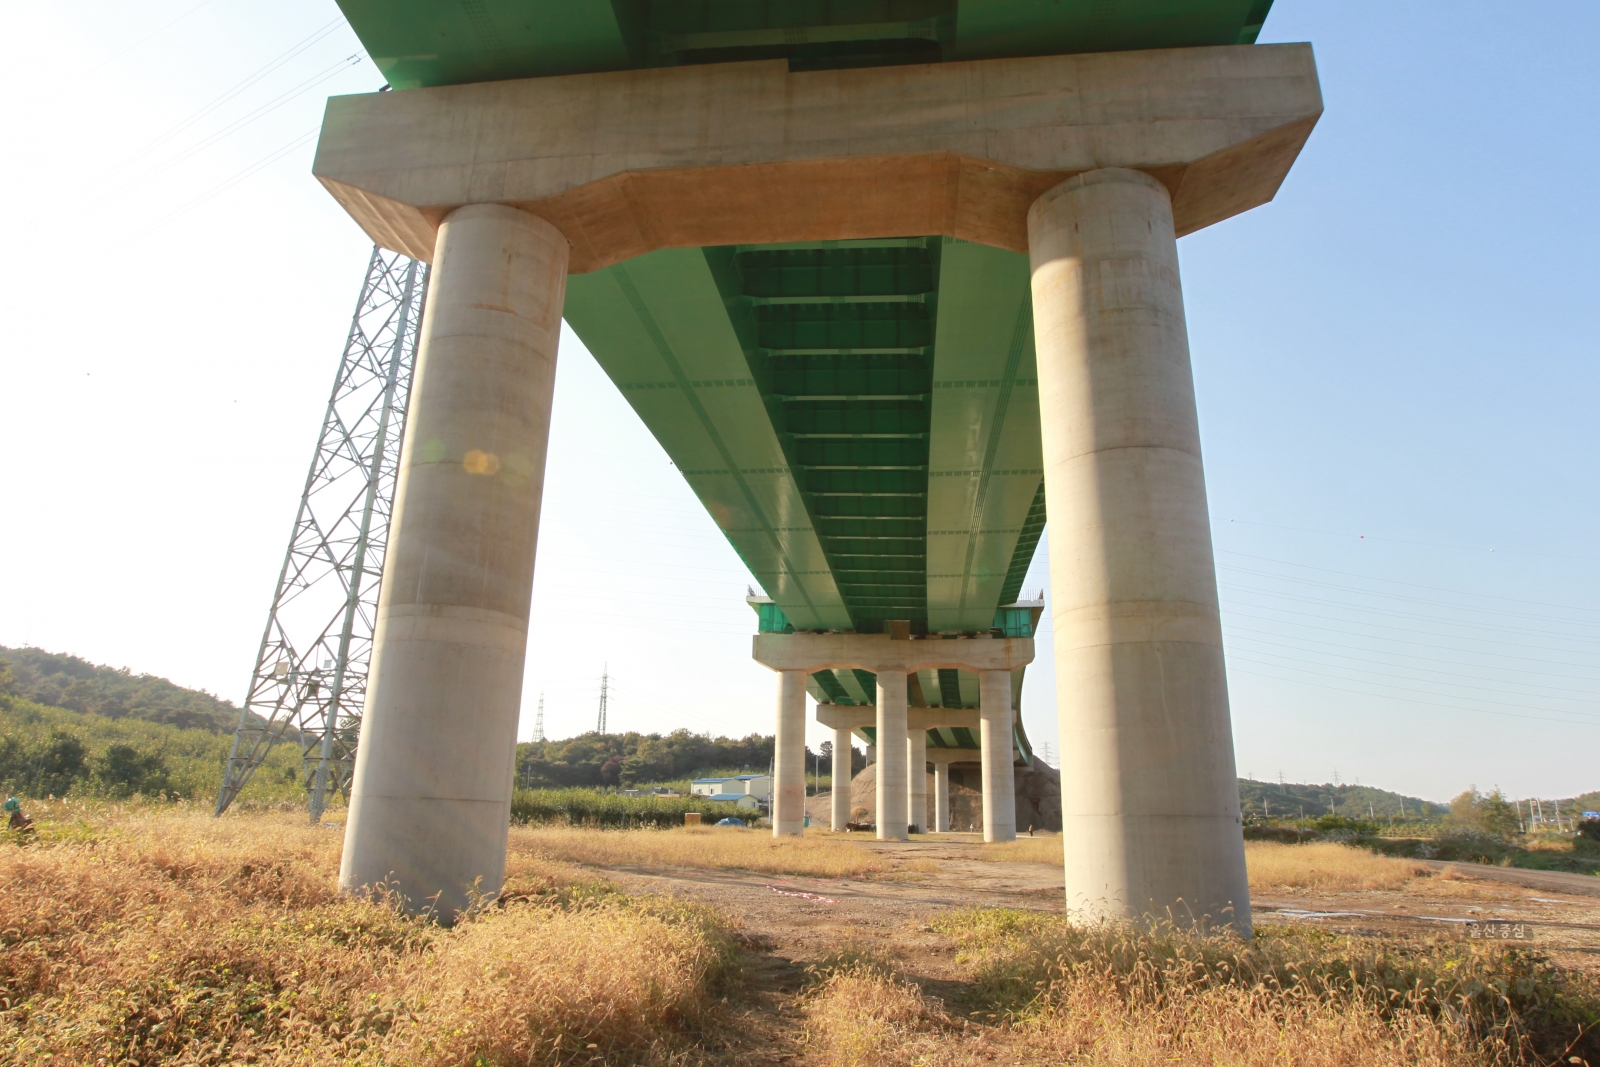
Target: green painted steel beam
(428,42)
(858,486)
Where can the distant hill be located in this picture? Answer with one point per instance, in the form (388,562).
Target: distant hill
(1363,801)
(63,681)
(1579,804)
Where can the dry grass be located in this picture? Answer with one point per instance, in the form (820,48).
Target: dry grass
(1320,865)
(814,855)
(1024,850)
(1114,997)
(862,1015)
(1323,865)
(141,938)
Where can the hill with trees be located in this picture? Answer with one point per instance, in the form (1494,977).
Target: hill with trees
(1296,800)
(63,681)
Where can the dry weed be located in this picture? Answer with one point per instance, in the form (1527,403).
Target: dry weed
(814,855)
(1112,995)
(863,1015)
(167,937)
(1024,850)
(1324,865)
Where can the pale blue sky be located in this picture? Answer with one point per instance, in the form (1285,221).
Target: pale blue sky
(1395,360)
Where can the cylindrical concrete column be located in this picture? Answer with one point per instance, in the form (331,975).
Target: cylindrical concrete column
(1150,797)
(431,798)
(999,775)
(789,756)
(917,778)
(840,807)
(891,745)
(941,797)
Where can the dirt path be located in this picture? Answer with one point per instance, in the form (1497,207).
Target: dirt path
(1584,885)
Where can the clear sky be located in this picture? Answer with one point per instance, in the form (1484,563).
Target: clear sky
(1396,363)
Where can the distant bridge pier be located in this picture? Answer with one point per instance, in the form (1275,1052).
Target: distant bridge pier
(839,798)
(917,779)
(900,731)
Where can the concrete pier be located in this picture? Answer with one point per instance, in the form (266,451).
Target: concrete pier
(917,778)
(839,807)
(941,797)
(789,756)
(430,802)
(1150,802)
(893,814)
(999,780)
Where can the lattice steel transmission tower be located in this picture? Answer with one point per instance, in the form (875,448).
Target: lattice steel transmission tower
(310,677)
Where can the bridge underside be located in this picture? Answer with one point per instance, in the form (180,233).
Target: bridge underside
(859,417)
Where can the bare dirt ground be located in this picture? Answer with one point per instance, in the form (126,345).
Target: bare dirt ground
(790,924)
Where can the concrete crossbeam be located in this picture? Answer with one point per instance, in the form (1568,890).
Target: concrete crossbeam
(627,162)
(853,717)
(881,652)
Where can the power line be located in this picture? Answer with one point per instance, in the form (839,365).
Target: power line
(1428,670)
(1397,614)
(1389,626)
(149,37)
(261,164)
(245,120)
(1386,696)
(1426,600)
(271,66)
(1396,581)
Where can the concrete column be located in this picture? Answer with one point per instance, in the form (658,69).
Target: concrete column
(789,756)
(1150,799)
(891,784)
(917,778)
(430,801)
(998,756)
(840,808)
(941,797)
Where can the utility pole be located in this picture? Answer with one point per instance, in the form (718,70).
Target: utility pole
(538,721)
(605,685)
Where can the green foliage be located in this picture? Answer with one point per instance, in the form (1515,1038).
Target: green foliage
(1290,799)
(592,808)
(1589,829)
(47,751)
(1490,814)
(63,681)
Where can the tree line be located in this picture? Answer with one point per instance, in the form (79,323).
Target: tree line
(628,759)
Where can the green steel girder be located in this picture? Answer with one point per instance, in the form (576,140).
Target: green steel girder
(428,42)
(902,482)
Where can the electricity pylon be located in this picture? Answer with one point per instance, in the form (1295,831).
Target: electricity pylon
(310,677)
(538,721)
(605,684)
